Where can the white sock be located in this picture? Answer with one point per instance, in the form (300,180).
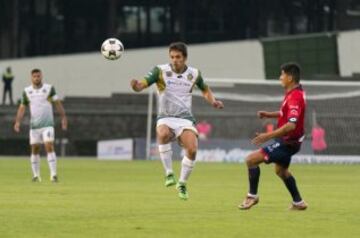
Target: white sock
(51,157)
(166,157)
(35,165)
(187,166)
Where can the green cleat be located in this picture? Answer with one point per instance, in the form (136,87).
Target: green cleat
(183,194)
(54,179)
(36,179)
(170,180)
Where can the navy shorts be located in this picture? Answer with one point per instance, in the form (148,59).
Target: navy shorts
(279,153)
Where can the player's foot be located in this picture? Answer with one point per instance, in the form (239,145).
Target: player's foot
(183,194)
(54,179)
(248,202)
(298,206)
(170,180)
(36,179)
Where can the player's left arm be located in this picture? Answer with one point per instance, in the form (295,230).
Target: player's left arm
(280,132)
(292,118)
(207,93)
(59,108)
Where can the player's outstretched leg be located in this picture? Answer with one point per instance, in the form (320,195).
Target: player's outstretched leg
(52,161)
(35,162)
(189,142)
(252,161)
(290,183)
(165,150)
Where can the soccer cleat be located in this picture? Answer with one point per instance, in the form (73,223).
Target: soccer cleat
(54,179)
(170,180)
(299,206)
(36,179)
(249,202)
(183,194)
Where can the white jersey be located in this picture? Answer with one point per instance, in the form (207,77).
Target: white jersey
(175,90)
(40,102)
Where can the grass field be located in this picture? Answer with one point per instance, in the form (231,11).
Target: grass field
(128,199)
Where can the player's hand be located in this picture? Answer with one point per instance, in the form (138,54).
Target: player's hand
(218,104)
(135,84)
(262,114)
(64,124)
(260,138)
(17,127)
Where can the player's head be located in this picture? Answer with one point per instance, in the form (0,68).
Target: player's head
(36,77)
(178,54)
(290,74)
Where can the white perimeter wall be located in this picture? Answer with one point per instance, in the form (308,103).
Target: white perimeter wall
(349,52)
(91,75)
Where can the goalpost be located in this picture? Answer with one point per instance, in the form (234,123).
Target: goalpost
(335,104)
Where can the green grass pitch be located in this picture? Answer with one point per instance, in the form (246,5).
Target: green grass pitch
(128,199)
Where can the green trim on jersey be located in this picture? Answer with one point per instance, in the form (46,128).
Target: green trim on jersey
(39,125)
(200,83)
(153,76)
(52,92)
(161,83)
(24,99)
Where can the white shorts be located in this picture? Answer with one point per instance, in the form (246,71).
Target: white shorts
(42,135)
(177,125)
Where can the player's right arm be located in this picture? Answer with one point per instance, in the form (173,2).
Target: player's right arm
(264,114)
(152,77)
(21,111)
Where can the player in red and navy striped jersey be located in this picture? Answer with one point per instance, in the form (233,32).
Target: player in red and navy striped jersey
(287,139)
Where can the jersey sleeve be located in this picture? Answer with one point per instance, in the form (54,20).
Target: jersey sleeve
(52,95)
(152,77)
(294,109)
(200,83)
(24,99)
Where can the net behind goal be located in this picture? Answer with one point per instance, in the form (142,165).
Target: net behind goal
(332,119)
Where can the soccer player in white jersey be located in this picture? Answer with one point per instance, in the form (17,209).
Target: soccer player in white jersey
(39,97)
(175,82)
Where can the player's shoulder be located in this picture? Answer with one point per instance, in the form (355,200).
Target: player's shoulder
(193,72)
(298,94)
(193,69)
(46,85)
(163,67)
(28,89)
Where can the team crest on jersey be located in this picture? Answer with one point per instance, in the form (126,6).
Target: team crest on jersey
(190,77)
(168,73)
(44,90)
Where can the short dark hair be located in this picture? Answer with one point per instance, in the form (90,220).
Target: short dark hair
(293,69)
(35,71)
(179,46)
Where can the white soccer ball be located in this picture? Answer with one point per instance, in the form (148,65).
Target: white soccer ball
(112,49)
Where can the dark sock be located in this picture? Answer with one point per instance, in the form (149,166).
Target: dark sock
(254,175)
(291,186)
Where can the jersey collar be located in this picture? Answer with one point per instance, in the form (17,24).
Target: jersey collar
(298,87)
(185,69)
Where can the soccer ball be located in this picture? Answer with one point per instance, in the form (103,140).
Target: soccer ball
(112,49)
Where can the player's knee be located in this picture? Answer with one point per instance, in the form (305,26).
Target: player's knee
(35,149)
(191,152)
(250,160)
(49,147)
(163,135)
(282,173)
